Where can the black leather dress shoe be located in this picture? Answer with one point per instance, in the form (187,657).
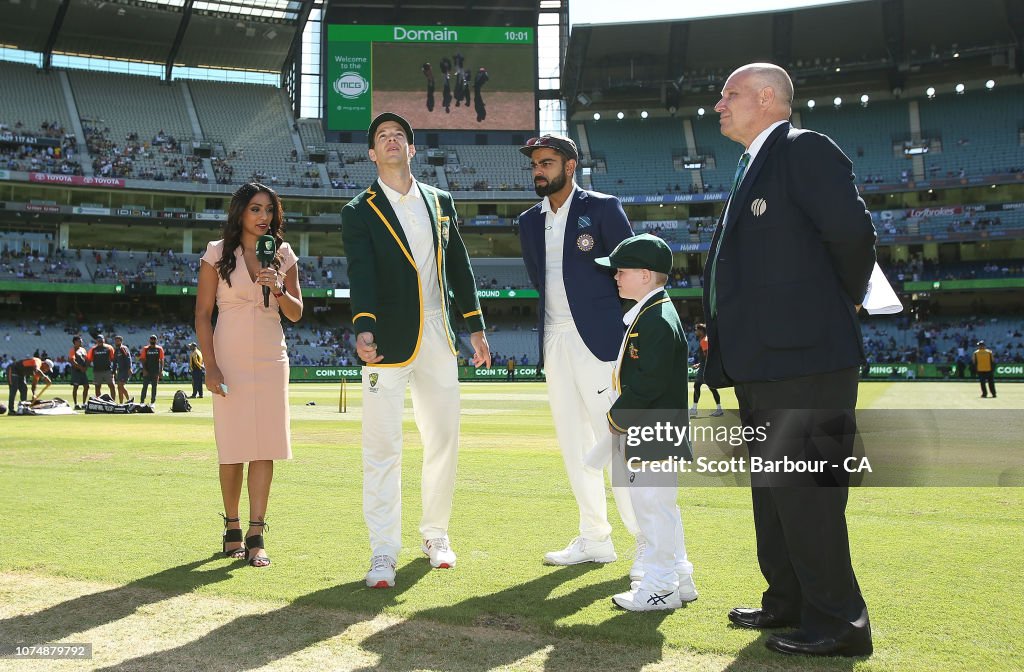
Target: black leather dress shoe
(745,617)
(856,643)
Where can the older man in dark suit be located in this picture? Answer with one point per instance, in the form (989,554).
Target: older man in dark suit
(788,268)
(409,271)
(580,328)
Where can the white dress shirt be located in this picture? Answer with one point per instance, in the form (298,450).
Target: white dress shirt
(415,222)
(556,301)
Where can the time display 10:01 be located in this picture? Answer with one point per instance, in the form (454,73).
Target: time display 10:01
(517,35)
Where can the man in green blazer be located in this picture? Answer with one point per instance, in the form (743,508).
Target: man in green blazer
(650,386)
(409,275)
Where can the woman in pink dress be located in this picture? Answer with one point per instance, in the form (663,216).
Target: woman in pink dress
(246,358)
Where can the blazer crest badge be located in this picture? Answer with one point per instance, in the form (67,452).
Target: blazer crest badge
(445,228)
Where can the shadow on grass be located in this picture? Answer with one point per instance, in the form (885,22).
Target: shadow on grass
(252,641)
(422,641)
(528,607)
(58,622)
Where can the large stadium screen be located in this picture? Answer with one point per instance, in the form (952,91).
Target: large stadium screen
(460,78)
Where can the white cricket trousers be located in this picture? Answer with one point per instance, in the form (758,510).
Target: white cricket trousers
(654,496)
(580,394)
(434,377)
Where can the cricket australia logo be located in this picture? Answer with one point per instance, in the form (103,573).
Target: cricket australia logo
(351,85)
(373,379)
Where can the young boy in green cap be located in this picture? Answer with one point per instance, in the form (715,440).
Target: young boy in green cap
(650,382)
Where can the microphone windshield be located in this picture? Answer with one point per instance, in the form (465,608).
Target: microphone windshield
(266,248)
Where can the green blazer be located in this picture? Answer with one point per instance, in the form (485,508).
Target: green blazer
(650,377)
(385,284)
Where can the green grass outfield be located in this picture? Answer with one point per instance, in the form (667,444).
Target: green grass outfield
(108,527)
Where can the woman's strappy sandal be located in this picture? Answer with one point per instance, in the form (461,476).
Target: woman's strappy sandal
(254,543)
(232,536)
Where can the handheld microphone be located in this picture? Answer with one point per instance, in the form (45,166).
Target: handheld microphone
(266,248)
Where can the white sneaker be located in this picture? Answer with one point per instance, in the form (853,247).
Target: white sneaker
(687,591)
(582,550)
(717,413)
(382,572)
(636,572)
(693,411)
(440,552)
(645,600)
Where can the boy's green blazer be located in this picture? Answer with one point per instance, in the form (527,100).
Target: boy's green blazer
(387,299)
(651,373)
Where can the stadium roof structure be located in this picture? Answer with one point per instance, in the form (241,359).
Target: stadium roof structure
(233,34)
(438,12)
(876,45)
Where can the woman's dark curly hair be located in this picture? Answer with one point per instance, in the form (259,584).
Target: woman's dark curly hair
(232,233)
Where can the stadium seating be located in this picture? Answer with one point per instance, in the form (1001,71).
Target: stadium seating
(31,95)
(488,168)
(310,342)
(947,339)
(866,135)
(980,133)
(251,132)
(711,142)
(500,273)
(33,104)
(251,129)
(30,267)
(119,267)
(120,109)
(638,155)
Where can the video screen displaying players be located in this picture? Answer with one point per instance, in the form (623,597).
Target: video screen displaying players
(438,77)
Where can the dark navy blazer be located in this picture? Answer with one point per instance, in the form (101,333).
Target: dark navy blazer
(795,258)
(595,225)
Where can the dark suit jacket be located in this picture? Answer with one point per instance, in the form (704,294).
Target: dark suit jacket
(650,378)
(796,255)
(384,280)
(596,223)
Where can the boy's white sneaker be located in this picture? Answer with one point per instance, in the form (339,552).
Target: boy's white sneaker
(646,600)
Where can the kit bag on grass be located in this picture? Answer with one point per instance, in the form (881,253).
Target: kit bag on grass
(103,404)
(180,403)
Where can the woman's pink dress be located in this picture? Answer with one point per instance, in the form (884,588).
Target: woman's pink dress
(252,421)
